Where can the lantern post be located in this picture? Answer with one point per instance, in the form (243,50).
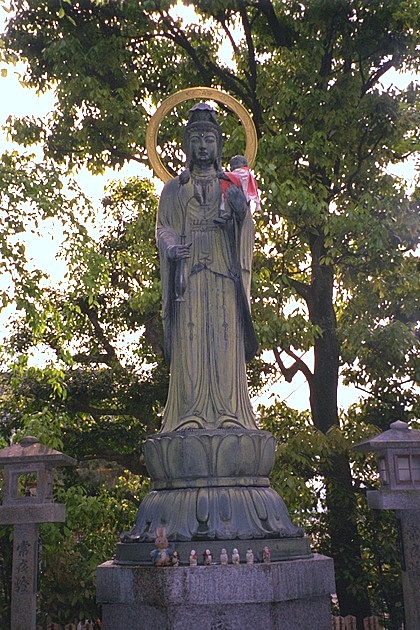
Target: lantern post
(27,501)
(398,456)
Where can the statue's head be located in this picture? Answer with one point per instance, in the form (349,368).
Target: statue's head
(202,120)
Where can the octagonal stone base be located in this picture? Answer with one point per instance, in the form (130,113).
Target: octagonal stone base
(287,595)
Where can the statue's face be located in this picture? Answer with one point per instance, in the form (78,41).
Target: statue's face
(203,147)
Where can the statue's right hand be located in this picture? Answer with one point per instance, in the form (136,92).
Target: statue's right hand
(178,252)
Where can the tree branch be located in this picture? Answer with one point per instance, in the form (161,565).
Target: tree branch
(87,359)
(92,315)
(129,461)
(302,289)
(252,74)
(179,37)
(229,80)
(282,37)
(229,35)
(297,366)
(380,72)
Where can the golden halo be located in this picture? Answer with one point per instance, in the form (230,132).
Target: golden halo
(185,95)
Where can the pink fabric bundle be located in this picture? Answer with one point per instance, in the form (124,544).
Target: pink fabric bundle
(242,177)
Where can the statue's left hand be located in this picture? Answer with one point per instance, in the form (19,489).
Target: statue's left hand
(236,200)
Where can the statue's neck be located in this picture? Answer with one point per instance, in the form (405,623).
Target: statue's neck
(203,171)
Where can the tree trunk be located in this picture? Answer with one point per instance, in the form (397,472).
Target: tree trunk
(340,498)
(344,540)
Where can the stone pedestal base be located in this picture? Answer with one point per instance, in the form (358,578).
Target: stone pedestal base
(287,595)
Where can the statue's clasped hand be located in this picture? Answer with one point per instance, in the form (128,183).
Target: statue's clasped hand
(179,252)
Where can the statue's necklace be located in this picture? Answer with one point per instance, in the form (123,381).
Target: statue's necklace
(203,188)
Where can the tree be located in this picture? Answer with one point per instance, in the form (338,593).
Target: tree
(337,233)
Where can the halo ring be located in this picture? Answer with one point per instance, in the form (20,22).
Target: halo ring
(185,95)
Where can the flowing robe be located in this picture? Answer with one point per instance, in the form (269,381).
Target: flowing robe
(209,335)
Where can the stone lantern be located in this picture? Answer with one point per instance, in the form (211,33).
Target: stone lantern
(27,501)
(398,456)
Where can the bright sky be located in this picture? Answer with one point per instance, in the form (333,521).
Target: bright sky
(19,101)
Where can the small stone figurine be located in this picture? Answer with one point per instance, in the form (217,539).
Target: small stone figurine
(224,557)
(235,557)
(207,558)
(193,558)
(249,556)
(161,556)
(266,555)
(175,559)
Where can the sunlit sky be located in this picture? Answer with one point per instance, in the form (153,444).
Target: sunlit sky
(19,101)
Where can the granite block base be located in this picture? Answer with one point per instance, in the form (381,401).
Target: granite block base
(288,595)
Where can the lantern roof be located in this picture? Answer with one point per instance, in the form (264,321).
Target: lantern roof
(31,450)
(399,435)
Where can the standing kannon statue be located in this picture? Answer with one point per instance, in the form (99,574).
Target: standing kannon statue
(206,278)
(210,464)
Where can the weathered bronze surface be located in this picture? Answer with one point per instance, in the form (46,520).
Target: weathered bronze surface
(205,270)
(210,464)
(212,485)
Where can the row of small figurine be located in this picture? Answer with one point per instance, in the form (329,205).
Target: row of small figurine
(163,556)
(166,557)
(224,558)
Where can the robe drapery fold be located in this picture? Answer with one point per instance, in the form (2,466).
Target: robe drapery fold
(208,336)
